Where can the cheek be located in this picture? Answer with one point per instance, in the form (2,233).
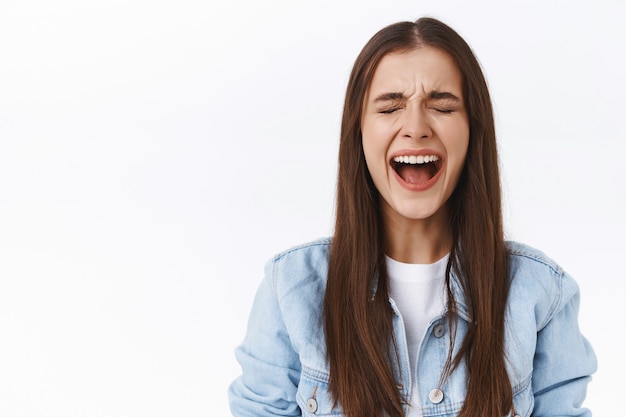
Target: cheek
(461,150)
(376,137)
(374,147)
(456,139)
(456,148)
(371,153)
(375,161)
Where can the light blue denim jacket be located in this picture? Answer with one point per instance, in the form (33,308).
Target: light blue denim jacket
(283,356)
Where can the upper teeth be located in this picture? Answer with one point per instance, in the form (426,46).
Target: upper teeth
(416,159)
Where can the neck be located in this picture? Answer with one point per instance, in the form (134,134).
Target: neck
(417,241)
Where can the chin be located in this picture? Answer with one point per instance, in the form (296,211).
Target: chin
(417,213)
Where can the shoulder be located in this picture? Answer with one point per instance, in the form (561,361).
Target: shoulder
(303,264)
(538,280)
(298,279)
(312,249)
(531,266)
(529,257)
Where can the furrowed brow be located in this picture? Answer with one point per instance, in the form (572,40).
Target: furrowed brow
(443,95)
(393,96)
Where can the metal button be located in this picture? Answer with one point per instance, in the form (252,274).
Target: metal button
(439,330)
(311,405)
(517,415)
(435,396)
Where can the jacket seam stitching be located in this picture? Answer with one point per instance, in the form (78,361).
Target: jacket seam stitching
(553,267)
(554,307)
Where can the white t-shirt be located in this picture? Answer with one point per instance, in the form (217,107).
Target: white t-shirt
(418,291)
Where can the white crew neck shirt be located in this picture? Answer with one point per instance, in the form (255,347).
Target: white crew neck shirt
(418,290)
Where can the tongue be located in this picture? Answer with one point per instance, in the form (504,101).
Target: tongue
(414,174)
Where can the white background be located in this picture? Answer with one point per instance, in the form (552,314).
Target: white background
(154,154)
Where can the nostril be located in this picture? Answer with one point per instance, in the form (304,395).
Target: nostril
(421,132)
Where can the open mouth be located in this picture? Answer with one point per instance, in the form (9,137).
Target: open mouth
(417,169)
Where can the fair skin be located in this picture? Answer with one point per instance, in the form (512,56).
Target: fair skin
(415,133)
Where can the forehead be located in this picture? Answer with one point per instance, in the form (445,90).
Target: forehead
(423,69)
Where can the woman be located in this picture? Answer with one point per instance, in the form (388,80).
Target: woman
(417,306)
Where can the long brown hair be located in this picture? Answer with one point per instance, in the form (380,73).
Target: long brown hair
(357,315)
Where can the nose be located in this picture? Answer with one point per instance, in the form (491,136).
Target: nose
(415,124)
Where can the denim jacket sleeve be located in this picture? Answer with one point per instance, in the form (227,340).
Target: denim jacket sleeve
(544,342)
(564,359)
(271,368)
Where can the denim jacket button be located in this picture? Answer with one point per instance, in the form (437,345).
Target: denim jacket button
(311,405)
(439,330)
(436,396)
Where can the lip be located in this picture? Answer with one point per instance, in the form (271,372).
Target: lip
(410,152)
(416,152)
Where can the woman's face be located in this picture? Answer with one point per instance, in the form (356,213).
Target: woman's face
(415,131)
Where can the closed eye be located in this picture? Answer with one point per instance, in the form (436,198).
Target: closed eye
(389,110)
(444,102)
(443,110)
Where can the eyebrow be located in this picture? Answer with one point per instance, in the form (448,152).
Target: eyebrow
(389,97)
(433,95)
(443,95)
